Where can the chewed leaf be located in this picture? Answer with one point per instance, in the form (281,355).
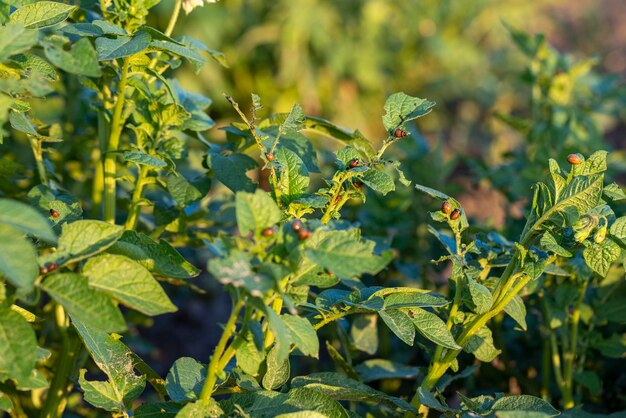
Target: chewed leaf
(401,108)
(114,359)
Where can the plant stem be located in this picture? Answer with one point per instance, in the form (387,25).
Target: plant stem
(234,345)
(259,143)
(110,167)
(545,371)
(133,214)
(56,399)
(229,329)
(439,367)
(556,360)
(168,31)
(35,145)
(569,357)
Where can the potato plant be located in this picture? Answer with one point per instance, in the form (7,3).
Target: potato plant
(100,193)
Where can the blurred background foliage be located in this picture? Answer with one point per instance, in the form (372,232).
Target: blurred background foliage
(340,59)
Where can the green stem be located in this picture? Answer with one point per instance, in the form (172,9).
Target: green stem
(168,31)
(57,393)
(439,367)
(388,141)
(570,356)
(545,367)
(259,143)
(110,167)
(237,341)
(229,329)
(556,362)
(35,145)
(133,214)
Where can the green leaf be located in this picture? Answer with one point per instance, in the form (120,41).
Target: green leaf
(249,357)
(42,14)
(302,334)
(481,297)
(414,299)
(114,359)
(5,403)
(312,402)
(295,119)
(517,310)
(354,139)
(82,239)
(481,345)
(400,324)
(364,333)
(525,403)
(180,50)
(236,270)
(18,346)
(255,211)
(618,229)
(20,122)
(142,158)
(201,409)
(344,253)
(185,379)
(18,259)
(157,410)
(432,192)
(431,327)
(376,369)
(84,304)
(599,257)
(231,170)
(26,219)
(614,192)
(129,282)
(596,163)
(66,204)
(82,59)
(590,380)
(549,242)
(184,192)
(428,399)
(278,329)
(299,402)
(160,258)
(294,176)
(401,108)
(15,39)
(378,180)
(277,372)
(341,387)
(582,193)
(113,48)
